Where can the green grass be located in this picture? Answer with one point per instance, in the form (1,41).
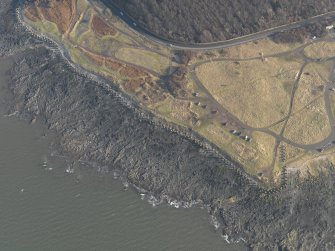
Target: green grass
(144,58)
(48,28)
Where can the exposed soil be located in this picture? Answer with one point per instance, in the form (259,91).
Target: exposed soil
(133,85)
(131,72)
(100,28)
(32,13)
(111,64)
(60,12)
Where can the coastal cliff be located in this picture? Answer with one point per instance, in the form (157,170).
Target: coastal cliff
(96,125)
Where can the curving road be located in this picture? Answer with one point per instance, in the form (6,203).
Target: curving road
(203,46)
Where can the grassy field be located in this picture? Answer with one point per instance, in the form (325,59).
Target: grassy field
(80,58)
(248,154)
(263,47)
(312,83)
(320,50)
(291,153)
(277,128)
(143,58)
(312,165)
(310,125)
(255,91)
(215,133)
(46,27)
(265,147)
(176,111)
(332,101)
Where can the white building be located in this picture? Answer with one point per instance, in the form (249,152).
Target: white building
(329,27)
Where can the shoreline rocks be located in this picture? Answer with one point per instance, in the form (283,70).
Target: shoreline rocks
(93,126)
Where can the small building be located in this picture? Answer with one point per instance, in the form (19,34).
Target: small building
(236,133)
(329,27)
(246,138)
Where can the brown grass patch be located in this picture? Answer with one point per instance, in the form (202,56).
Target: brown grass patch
(151,94)
(291,152)
(31,13)
(133,85)
(312,83)
(257,48)
(247,153)
(177,111)
(59,12)
(131,72)
(215,133)
(264,144)
(100,28)
(310,125)
(320,50)
(111,64)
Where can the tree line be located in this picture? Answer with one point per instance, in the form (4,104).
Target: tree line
(217,20)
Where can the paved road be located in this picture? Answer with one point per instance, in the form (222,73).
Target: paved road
(215,45)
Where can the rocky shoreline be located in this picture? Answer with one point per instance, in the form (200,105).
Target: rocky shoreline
(130,103)
(95,124)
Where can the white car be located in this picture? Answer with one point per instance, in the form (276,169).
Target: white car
(134,24)
(121,13)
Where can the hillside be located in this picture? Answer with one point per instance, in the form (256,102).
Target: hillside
(207,21)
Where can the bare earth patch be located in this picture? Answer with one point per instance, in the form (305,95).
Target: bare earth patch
(60,12)
(113,65)
(32,13)
(101,28)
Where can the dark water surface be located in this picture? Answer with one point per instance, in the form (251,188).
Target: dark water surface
(42,209)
